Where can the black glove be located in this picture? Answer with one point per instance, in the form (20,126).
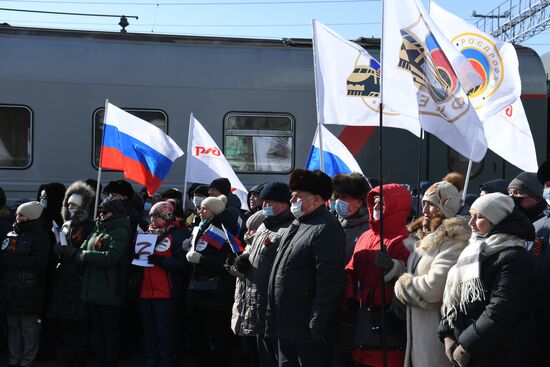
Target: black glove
(242,263)
(65,252)
(154,259)
(383,260)
(317,336)
(352,305)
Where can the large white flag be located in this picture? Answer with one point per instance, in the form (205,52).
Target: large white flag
(425,77)
(206,162)
(347,83)
(509,136)
(336,157)
(497,100)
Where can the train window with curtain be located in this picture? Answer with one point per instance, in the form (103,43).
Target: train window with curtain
(156,117)
(259,142)
(15,137)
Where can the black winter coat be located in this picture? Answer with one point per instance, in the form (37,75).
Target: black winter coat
(499,331)
(307,279)
(23,263)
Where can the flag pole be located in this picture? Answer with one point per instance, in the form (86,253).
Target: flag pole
(321,159)
(418,199)
(189,142)
(381,178)
(466,182)
(98,185)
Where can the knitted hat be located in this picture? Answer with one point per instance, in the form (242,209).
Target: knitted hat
(201,190)
(75,199)
(255,220)
(121,187)
(114,206)
(354,185)
(172,193)
(31,210)
(222,185)
(495,206)
(444,195)
(276,191)
(215,204)
(162,209)
(315,182)
(528,183)
(543,174)
(498,185)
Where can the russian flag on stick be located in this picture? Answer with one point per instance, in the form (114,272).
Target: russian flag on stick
(214,236)
(234,241)
(143,151)
(336,157)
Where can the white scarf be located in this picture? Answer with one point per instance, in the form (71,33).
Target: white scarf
(463,284)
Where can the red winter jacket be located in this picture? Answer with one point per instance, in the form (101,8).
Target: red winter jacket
(363,276)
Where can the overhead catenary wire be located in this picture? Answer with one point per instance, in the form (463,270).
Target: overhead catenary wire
(195,3)
(67,13)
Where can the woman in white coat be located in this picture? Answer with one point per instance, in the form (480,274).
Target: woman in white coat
(436,241)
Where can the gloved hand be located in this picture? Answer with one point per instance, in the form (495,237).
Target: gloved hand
(193,257)
(383,260)
(154,259)
(186,244)
(65,252)
(352,305)
(317,336)
(450,346)
(242,263)
(461,357)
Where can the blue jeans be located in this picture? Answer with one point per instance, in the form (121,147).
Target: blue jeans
(158,317)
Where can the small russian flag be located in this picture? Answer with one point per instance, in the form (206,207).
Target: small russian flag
(234,241)
(214,236)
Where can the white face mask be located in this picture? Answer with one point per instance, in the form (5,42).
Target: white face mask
(44,203)
(72,212)
(546,195)
(376,214)
(296,209)
(197,201)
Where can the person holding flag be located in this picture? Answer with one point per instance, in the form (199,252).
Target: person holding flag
(211,288)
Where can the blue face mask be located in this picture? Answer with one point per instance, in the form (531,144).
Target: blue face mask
(268,212)
(546,195)
(342,208)
(332,205)
(147,207)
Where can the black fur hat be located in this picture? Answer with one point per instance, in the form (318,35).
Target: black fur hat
(121,187)
(354,185)
(221,184)
(315,182)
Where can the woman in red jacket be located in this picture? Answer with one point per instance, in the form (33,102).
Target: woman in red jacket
(363,285)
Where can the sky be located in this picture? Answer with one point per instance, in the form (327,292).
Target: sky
(233,18)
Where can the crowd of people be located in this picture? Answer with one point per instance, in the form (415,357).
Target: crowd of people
(318,272)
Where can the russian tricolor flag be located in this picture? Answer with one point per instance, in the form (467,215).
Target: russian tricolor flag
(143,151)
(214,236)
(234,241)
(336,157)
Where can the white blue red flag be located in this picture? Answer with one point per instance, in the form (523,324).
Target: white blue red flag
(214,236)
(143,151)
(233,240)
(336,157)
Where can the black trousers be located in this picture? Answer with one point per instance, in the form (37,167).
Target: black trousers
(72,342)
(267,351)
(105,322)
(158,317)
(304,354)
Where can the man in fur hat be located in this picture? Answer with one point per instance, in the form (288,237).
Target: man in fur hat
(307,279)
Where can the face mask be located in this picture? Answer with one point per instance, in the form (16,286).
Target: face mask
(376,214)
(546,195)
(147,207)
(44,203)
(332,204)
(296,209)
(197,201)
(342,207)
(72,212)
(268,212)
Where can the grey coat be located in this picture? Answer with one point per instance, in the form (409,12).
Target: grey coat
(354,228)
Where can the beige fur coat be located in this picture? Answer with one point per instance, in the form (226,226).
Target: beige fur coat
(421,289)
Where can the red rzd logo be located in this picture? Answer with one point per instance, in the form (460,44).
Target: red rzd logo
(206,151)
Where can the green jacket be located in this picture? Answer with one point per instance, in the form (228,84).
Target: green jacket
(105,262)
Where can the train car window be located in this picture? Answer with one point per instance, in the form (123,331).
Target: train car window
(459,163)
(259,143)
(15,137)
(155,117)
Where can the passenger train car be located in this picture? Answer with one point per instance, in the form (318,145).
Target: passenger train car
(255,97)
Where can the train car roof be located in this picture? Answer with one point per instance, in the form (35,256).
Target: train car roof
(167,38)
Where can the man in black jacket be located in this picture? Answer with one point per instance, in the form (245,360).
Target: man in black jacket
(23,263)
(307,279)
